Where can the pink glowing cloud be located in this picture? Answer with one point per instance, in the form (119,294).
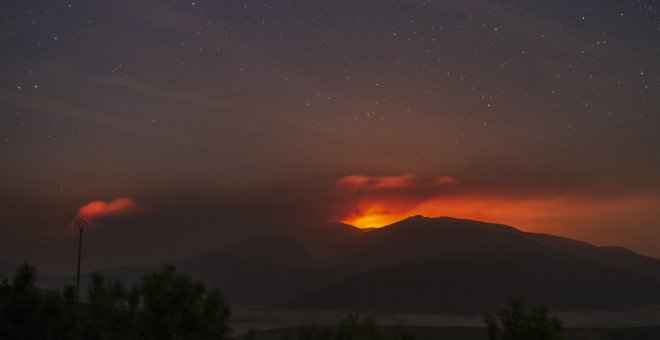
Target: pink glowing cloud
(99,209)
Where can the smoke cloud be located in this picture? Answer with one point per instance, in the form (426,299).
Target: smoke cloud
(96,210)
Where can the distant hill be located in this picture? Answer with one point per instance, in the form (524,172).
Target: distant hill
(260,270)
(614,256)
(256,271)
(328,241)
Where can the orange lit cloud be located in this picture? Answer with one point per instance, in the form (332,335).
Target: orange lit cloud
(363,183)
(99,209)
(445,180)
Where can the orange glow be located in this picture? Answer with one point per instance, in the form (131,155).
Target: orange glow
(375,216)
(564,214)
(378,201)
(100,209)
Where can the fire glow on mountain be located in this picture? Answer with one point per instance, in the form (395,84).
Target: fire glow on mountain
(374,202)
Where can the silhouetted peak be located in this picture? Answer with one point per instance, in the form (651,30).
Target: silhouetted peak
(426,219)
(419,222)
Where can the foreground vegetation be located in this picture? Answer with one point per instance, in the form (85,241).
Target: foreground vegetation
(517,321)
(164,305)
(170,305)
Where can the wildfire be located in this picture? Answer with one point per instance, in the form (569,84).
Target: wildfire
(374,216)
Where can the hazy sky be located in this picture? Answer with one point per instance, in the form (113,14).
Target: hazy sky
(220,118)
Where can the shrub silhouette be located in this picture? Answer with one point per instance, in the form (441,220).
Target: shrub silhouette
(517,322)
(165,305)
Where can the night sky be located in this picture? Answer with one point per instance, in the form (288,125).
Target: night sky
(213,120)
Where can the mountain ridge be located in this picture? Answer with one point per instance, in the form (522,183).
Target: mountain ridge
(451,265)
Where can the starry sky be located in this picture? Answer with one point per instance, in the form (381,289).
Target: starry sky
(217,119)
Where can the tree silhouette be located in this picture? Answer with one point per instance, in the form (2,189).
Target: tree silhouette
(517,322)
(174,306)
(20,305)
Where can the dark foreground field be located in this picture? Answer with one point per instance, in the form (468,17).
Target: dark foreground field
(639,323)
(479,333)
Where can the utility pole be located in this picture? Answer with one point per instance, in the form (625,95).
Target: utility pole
(81,225)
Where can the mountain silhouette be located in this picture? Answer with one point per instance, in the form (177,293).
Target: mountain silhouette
(418,265)
(447,265)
